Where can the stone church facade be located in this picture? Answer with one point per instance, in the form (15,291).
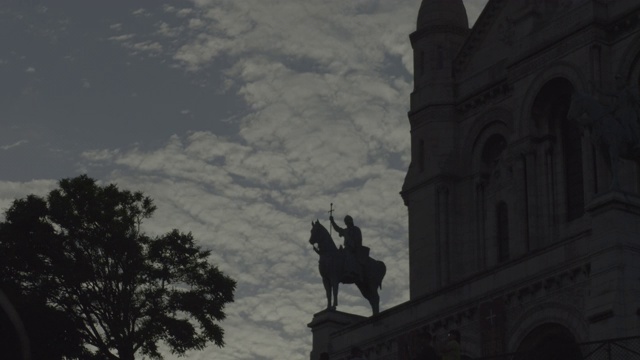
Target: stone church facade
(516,238)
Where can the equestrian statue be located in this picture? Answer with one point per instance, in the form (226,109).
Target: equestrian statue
(614,129)
(349,264)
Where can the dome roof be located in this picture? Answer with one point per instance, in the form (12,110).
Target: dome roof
(442,12)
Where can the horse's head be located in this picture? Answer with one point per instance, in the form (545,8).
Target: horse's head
(316,232)
(313,239)
(320,236)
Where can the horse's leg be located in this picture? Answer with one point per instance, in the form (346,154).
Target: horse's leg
(378,271)
(327,288)
(337,269)
(365,290)
(372,291)
(374,300)
(368,286)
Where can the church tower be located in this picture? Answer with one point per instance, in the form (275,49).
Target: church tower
(518,236)
(441,30)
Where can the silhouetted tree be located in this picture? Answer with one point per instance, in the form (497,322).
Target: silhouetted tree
(109,291)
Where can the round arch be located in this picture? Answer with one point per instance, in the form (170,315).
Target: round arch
(549,341)
(497,121)
(564,70)
(553,94)
(563,315)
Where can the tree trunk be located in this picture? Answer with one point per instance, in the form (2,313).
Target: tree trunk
(126,353)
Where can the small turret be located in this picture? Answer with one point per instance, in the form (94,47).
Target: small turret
(442,12)
(441,30)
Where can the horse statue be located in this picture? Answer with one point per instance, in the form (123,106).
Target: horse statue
(332,269)
(615,132)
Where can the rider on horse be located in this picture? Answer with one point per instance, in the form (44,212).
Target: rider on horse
(356,254)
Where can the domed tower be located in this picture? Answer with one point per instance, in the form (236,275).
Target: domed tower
(442,28)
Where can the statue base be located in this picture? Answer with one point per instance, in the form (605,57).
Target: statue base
(324,324)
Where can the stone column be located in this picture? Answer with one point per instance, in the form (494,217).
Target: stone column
(326,323)
(481,223)
(443,232)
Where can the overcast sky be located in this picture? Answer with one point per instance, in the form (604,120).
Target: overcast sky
(242,119)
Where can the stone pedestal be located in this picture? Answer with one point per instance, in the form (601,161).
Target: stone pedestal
(611,306)
(326,323)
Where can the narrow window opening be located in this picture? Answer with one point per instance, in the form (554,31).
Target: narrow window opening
(440,58)
(502,231)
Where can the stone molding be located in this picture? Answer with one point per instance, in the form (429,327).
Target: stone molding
(429,114)
(534,289)
(494,94)
(624,26)
(554,289)
(536,59)
(497,120)
(614,200)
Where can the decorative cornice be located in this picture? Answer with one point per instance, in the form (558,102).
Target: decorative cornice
(548,284)
(497,91)
(601,316)
(614,30)
(625,25)
(437,180)
(520,294)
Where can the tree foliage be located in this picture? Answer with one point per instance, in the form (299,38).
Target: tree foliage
(80,254)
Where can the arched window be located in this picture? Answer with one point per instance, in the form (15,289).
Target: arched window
(574,183)
(502,231)
(550,113)
(549,341)
(492,150)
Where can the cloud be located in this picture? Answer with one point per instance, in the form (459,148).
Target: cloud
(123,37)
(12,190)
(166,30)
(184,12)
(339,34)
(474,8)
(241,202)
(15,144)
(326,87)
(145,46)
(141,12)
